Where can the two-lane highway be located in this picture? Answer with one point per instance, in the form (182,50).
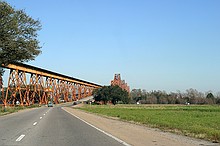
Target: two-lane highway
(49,126)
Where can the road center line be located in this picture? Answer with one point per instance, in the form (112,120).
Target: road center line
(20,138)
(41,117)
(35,123)
(44,114)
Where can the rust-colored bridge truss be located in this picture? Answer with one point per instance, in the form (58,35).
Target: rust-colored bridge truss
(43,86)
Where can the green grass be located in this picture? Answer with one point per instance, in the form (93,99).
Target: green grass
(8,110)
(196,121)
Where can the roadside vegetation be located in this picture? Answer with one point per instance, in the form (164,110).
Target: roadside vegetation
(8,110)
(196,121)
(111,94)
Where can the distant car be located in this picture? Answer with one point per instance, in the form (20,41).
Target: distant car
(17,102)
(50,104)
(62,100)
(75,103)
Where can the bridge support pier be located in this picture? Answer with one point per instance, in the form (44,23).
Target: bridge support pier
(17,90)
(43,86)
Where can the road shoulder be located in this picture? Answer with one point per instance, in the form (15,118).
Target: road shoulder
(134,134)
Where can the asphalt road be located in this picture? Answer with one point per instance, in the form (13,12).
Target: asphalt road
(49,127)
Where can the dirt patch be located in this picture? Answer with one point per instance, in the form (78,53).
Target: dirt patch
(137,135)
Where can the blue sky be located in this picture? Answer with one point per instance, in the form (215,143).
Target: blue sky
(154,44)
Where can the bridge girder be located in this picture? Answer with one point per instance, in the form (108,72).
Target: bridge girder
(44,86)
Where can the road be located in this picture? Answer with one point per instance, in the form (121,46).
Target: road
(49,127)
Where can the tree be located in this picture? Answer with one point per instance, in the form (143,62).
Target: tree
(151,99)
(210,96)
(118,94)
(111,93)
(18,36)
(162,100)
(210,99)
(101,94)
(218,100)
(115,94)
(139,95)
(194,96)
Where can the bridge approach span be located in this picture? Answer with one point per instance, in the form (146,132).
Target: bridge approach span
(43,86)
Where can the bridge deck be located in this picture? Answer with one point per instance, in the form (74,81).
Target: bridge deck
(36,70)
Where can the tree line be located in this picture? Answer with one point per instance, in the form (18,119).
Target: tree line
(190,96)
(116,95)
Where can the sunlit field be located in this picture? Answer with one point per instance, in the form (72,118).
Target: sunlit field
(195,121)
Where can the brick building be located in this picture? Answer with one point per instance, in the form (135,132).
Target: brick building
(121,83)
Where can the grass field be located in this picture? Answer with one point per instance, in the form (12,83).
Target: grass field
(196,121)
(8,110)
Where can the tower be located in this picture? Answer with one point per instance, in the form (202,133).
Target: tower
(121,83)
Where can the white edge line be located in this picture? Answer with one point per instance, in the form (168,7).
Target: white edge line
(108,134)
(20,138)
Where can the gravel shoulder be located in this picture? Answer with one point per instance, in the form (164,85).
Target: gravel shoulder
(137,135)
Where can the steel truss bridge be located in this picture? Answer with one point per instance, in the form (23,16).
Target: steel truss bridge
(43,86)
